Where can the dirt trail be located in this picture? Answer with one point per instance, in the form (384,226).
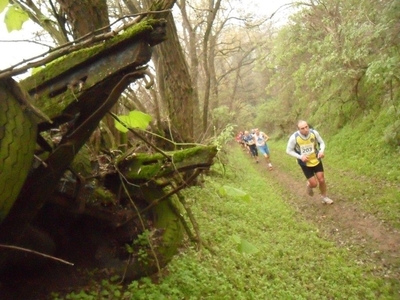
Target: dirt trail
(344,223)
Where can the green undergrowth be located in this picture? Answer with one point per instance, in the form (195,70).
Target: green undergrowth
(263,249)
(351,177)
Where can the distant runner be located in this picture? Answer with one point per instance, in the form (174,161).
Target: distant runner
(239,139)
(261,139)
(249,140)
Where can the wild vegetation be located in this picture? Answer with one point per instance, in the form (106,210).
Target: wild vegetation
(329,60)
(265,244)
(334,63)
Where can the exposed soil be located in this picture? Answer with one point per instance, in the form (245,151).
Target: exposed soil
(345,223)
(371,240)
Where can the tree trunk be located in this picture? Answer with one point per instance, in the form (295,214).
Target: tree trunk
(213,9)
(173,77)
(191,44)
(85,16)
(175,84)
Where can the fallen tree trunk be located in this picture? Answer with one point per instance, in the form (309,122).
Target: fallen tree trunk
(133,207)
(124,219)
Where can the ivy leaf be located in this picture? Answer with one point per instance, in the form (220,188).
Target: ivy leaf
(233,192)
(247,247)
(3,5)
(135,119)
(243,246)
(15,17)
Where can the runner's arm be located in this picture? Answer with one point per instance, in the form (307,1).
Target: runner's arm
(320,141)
(290,147)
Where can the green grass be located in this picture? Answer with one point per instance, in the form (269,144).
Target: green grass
(263,249)
(354,179)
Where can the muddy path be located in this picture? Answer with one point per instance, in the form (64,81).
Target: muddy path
(370,239)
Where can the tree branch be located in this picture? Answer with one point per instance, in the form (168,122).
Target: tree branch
(36,253)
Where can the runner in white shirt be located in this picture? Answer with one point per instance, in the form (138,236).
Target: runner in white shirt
(261,139)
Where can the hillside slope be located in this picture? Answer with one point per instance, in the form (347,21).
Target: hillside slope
(346,221)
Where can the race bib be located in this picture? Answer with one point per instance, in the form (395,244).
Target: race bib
(307,149)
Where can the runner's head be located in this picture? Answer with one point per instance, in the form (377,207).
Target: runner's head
(303,127)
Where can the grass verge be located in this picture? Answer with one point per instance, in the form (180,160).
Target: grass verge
(365,184)
(263,249)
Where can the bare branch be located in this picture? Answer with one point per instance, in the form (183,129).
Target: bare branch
(70,47)
(36,253)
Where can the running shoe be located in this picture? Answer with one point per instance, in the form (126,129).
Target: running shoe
(326,200)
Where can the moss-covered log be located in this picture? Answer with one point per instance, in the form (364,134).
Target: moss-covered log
(149,183)
(66,80)
(144,167)
(100,81)
(137,197)
(104,81)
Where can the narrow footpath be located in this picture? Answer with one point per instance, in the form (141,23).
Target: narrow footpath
(342,222)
